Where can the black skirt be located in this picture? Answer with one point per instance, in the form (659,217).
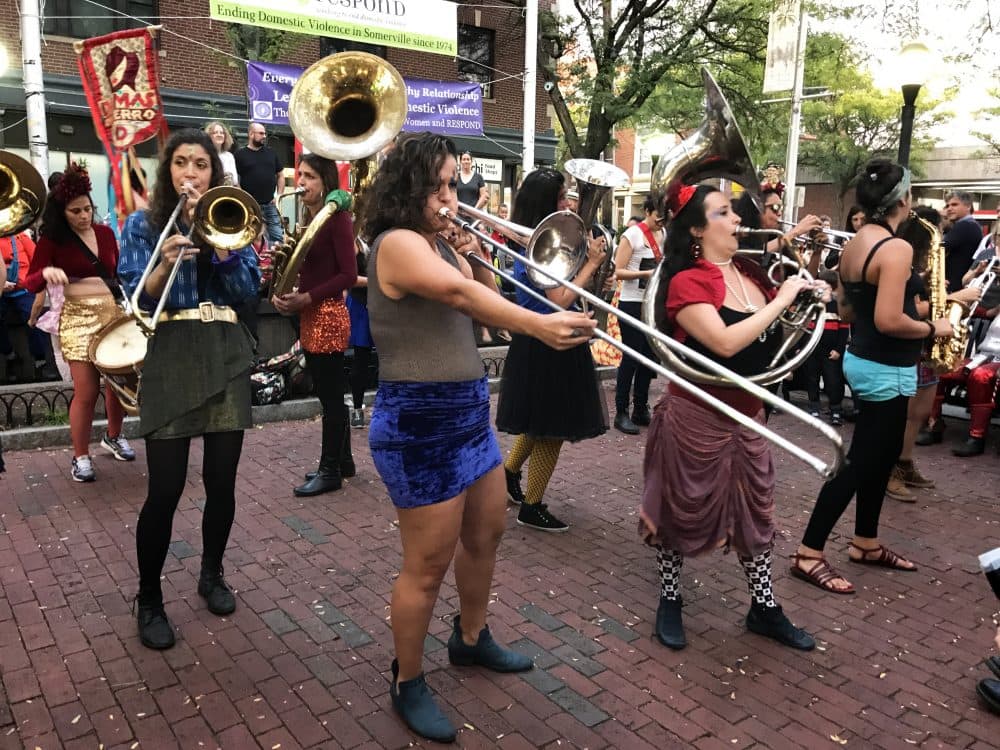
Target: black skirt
(196,379)
(550,394)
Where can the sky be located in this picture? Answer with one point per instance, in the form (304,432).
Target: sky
(964,54)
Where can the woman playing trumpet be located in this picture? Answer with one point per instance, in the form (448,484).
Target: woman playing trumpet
(329,270)
(709,483)
(195,379)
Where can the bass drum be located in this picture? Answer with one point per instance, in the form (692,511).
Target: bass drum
(118,351)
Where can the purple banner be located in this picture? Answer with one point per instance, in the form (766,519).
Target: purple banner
(269,87)
(443,107)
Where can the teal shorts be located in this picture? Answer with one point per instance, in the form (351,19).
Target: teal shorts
(873,381)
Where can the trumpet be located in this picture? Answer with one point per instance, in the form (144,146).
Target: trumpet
(570,231)
(225,217)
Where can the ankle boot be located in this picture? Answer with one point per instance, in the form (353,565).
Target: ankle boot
(624,424)
(327,479)
(669,627)
(414,702)
(971,446)
(213,588)
(641,415)
(155,630)
(771,622)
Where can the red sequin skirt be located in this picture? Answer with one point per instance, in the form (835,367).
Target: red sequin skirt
(326,327)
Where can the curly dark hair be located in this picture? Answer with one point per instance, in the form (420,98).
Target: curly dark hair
(848,224)
(164,198)
(917,235)
(54,224)
(403,183)
(679,254)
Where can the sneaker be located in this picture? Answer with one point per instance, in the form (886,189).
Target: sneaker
(83,469)
(836,419)
(896,488)
(119,447)
(912,477)
(357,418)
(537,516)
(514,493)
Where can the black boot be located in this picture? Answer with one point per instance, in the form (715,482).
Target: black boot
(669,627)
(624,424)
(327,479)
(155,630)
(640,415)
(213,588)
(971,446)
(347,467)
(772,623)
(931,435)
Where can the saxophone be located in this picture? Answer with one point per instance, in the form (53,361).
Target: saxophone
(946,352)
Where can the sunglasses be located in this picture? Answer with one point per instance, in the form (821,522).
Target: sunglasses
(776,207)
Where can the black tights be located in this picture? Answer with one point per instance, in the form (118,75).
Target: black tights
(359,374)
(877,441)
(167,462)
(328,378)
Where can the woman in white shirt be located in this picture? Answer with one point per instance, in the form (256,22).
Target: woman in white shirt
(638,253)
(223,141)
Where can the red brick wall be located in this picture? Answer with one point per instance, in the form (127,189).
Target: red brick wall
(188,65)
(625,150)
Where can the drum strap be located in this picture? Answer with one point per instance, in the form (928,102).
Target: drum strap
(113,286)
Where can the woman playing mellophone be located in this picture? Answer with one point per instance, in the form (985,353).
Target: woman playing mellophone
(430,433)
(195,378)
(709,482)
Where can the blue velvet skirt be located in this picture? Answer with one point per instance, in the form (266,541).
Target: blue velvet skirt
(431,441)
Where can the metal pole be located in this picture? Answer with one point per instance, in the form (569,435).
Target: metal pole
(530,65)
(792,155)
(34,90)
(910,92)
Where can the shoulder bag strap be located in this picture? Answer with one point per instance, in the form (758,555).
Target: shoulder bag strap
(107,278)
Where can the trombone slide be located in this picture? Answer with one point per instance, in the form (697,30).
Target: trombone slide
(826,470)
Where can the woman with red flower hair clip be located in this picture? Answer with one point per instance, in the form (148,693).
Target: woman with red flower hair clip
(709,482)
(82,256)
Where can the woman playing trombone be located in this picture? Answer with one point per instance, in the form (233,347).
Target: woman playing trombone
(709,483)
(430,433)
(195,379)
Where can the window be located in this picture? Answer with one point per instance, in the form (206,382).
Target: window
(645,163)
(475,53)
(105,23)
(328,45)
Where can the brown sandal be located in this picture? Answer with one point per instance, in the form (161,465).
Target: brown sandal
(819,574)
(885,558)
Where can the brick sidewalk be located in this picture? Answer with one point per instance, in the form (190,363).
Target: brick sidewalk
(304,661)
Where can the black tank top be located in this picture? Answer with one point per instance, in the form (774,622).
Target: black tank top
(751,360)
(867,341)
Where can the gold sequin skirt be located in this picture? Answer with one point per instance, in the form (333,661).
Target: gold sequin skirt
(81,318)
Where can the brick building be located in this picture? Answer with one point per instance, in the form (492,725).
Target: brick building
(199,82)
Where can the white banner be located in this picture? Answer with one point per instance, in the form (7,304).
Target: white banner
(421,25)
(782,40)
(490,169)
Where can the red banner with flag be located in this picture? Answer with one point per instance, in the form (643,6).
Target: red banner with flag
(120,76)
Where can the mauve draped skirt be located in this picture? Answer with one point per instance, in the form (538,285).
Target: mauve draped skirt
(709,482)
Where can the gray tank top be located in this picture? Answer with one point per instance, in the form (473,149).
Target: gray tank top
(420,340)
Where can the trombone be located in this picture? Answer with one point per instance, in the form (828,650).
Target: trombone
(226,217)
(558,232)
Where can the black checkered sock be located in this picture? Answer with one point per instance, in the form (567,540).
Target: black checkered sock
(758,573)
(670,562)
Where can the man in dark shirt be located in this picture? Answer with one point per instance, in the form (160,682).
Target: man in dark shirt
(961,241)
(261,174)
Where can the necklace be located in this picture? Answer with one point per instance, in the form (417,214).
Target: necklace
(744,298)
(721,263)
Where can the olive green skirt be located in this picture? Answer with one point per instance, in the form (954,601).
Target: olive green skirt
(196,379)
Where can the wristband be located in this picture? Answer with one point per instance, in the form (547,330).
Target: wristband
(933,334)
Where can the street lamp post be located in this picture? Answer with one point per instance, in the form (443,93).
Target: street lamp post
(913,60)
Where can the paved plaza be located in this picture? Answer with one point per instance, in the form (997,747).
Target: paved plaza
(304,661)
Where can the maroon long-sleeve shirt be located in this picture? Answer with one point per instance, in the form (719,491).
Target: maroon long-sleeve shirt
(330,268)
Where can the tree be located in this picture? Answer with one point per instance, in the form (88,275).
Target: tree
(260,43)
(989,121)
(627,48)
